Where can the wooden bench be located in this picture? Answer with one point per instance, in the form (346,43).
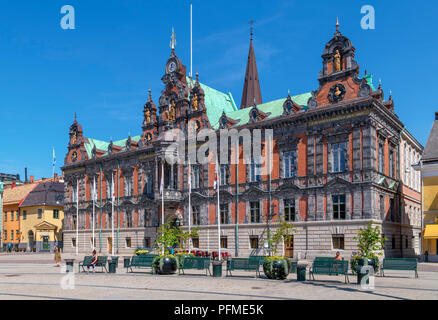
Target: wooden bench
(329,266)
(247,264)
(141,261)
(101,262)
(195,263)
(400,264)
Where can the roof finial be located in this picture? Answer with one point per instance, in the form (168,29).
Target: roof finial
(75,117)
(337,23)
(252,30)
(173,40)
(380,83)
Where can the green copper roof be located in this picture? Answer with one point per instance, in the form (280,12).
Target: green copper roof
(103,145)
(273,108)
(216,102)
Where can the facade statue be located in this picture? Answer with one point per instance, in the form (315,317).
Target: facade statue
(337,61)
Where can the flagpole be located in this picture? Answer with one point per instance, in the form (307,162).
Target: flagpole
(190,203)
(112,214)
(191,41)
(77,216)
(54,163)
(218,209)
(94,203)
(237,198)
(162,196)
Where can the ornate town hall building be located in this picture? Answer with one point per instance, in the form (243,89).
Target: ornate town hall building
(337,164)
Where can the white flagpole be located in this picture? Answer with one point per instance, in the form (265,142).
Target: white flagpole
(94,203)
(218,209)
(190,203)
(112,215)
(162,196)
(77,216)
(191,41)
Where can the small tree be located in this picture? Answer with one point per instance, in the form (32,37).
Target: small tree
(370,241)
(285,229)
(169,236)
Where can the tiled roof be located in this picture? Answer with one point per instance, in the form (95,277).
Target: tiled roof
(47,194)
(17,194)
(431,150)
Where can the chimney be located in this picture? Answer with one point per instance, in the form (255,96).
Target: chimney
(25,175)
(14,184)
(31,179)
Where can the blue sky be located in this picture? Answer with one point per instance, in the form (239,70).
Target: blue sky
(103,69)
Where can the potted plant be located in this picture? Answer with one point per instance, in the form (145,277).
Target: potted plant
(278,267)
(140,251)
(370,243)
(169,237)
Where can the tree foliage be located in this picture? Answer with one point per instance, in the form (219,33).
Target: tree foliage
(370,241)
(285,229)
(171,236)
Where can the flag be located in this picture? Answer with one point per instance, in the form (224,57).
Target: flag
(216,175)
(54,157)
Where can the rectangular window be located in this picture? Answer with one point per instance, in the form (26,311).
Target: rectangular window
(224,213)
(40,213)
(381,158)
(6,216)
(128,186)
(338,242)
(224,178)
(128,220)
(407,242)
(73,242)
(289,210)
(55,214)
(108,188)
(391,164)
(224,242)
(12,215)
(74,222)
(128,242)
(147,219)
(24,214)
(74,195)
(12,235)
(254,242)
(196,176)
(195,242)
(149,184)
(338,207)
(196,216)
(147,242)
(255,172)
(18,215)
(255,212)
(382,207)
(290,167)
(392,209)
(338,155)
(393,241)
(6,235)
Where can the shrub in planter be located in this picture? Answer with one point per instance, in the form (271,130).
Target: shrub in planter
(370,245)
(164,264)
(277,268)
(141,251)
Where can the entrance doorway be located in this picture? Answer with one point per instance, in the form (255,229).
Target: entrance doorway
(46,243)
(31,241)
(110,245)
(289,247)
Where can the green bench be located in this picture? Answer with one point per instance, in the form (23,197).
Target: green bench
(400,264)
(329,266)
(252,263)
(141,261)
(195,263)
(101,262)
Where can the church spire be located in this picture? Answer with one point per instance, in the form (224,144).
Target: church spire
(251,88)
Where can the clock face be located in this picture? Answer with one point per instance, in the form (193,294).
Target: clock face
(171,67)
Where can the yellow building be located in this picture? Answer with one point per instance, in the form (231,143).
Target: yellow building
(41,217)
(429,172)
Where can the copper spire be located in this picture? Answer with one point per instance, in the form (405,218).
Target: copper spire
(251,89)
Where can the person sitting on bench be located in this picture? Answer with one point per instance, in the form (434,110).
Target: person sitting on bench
(93,262)
(338,256)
